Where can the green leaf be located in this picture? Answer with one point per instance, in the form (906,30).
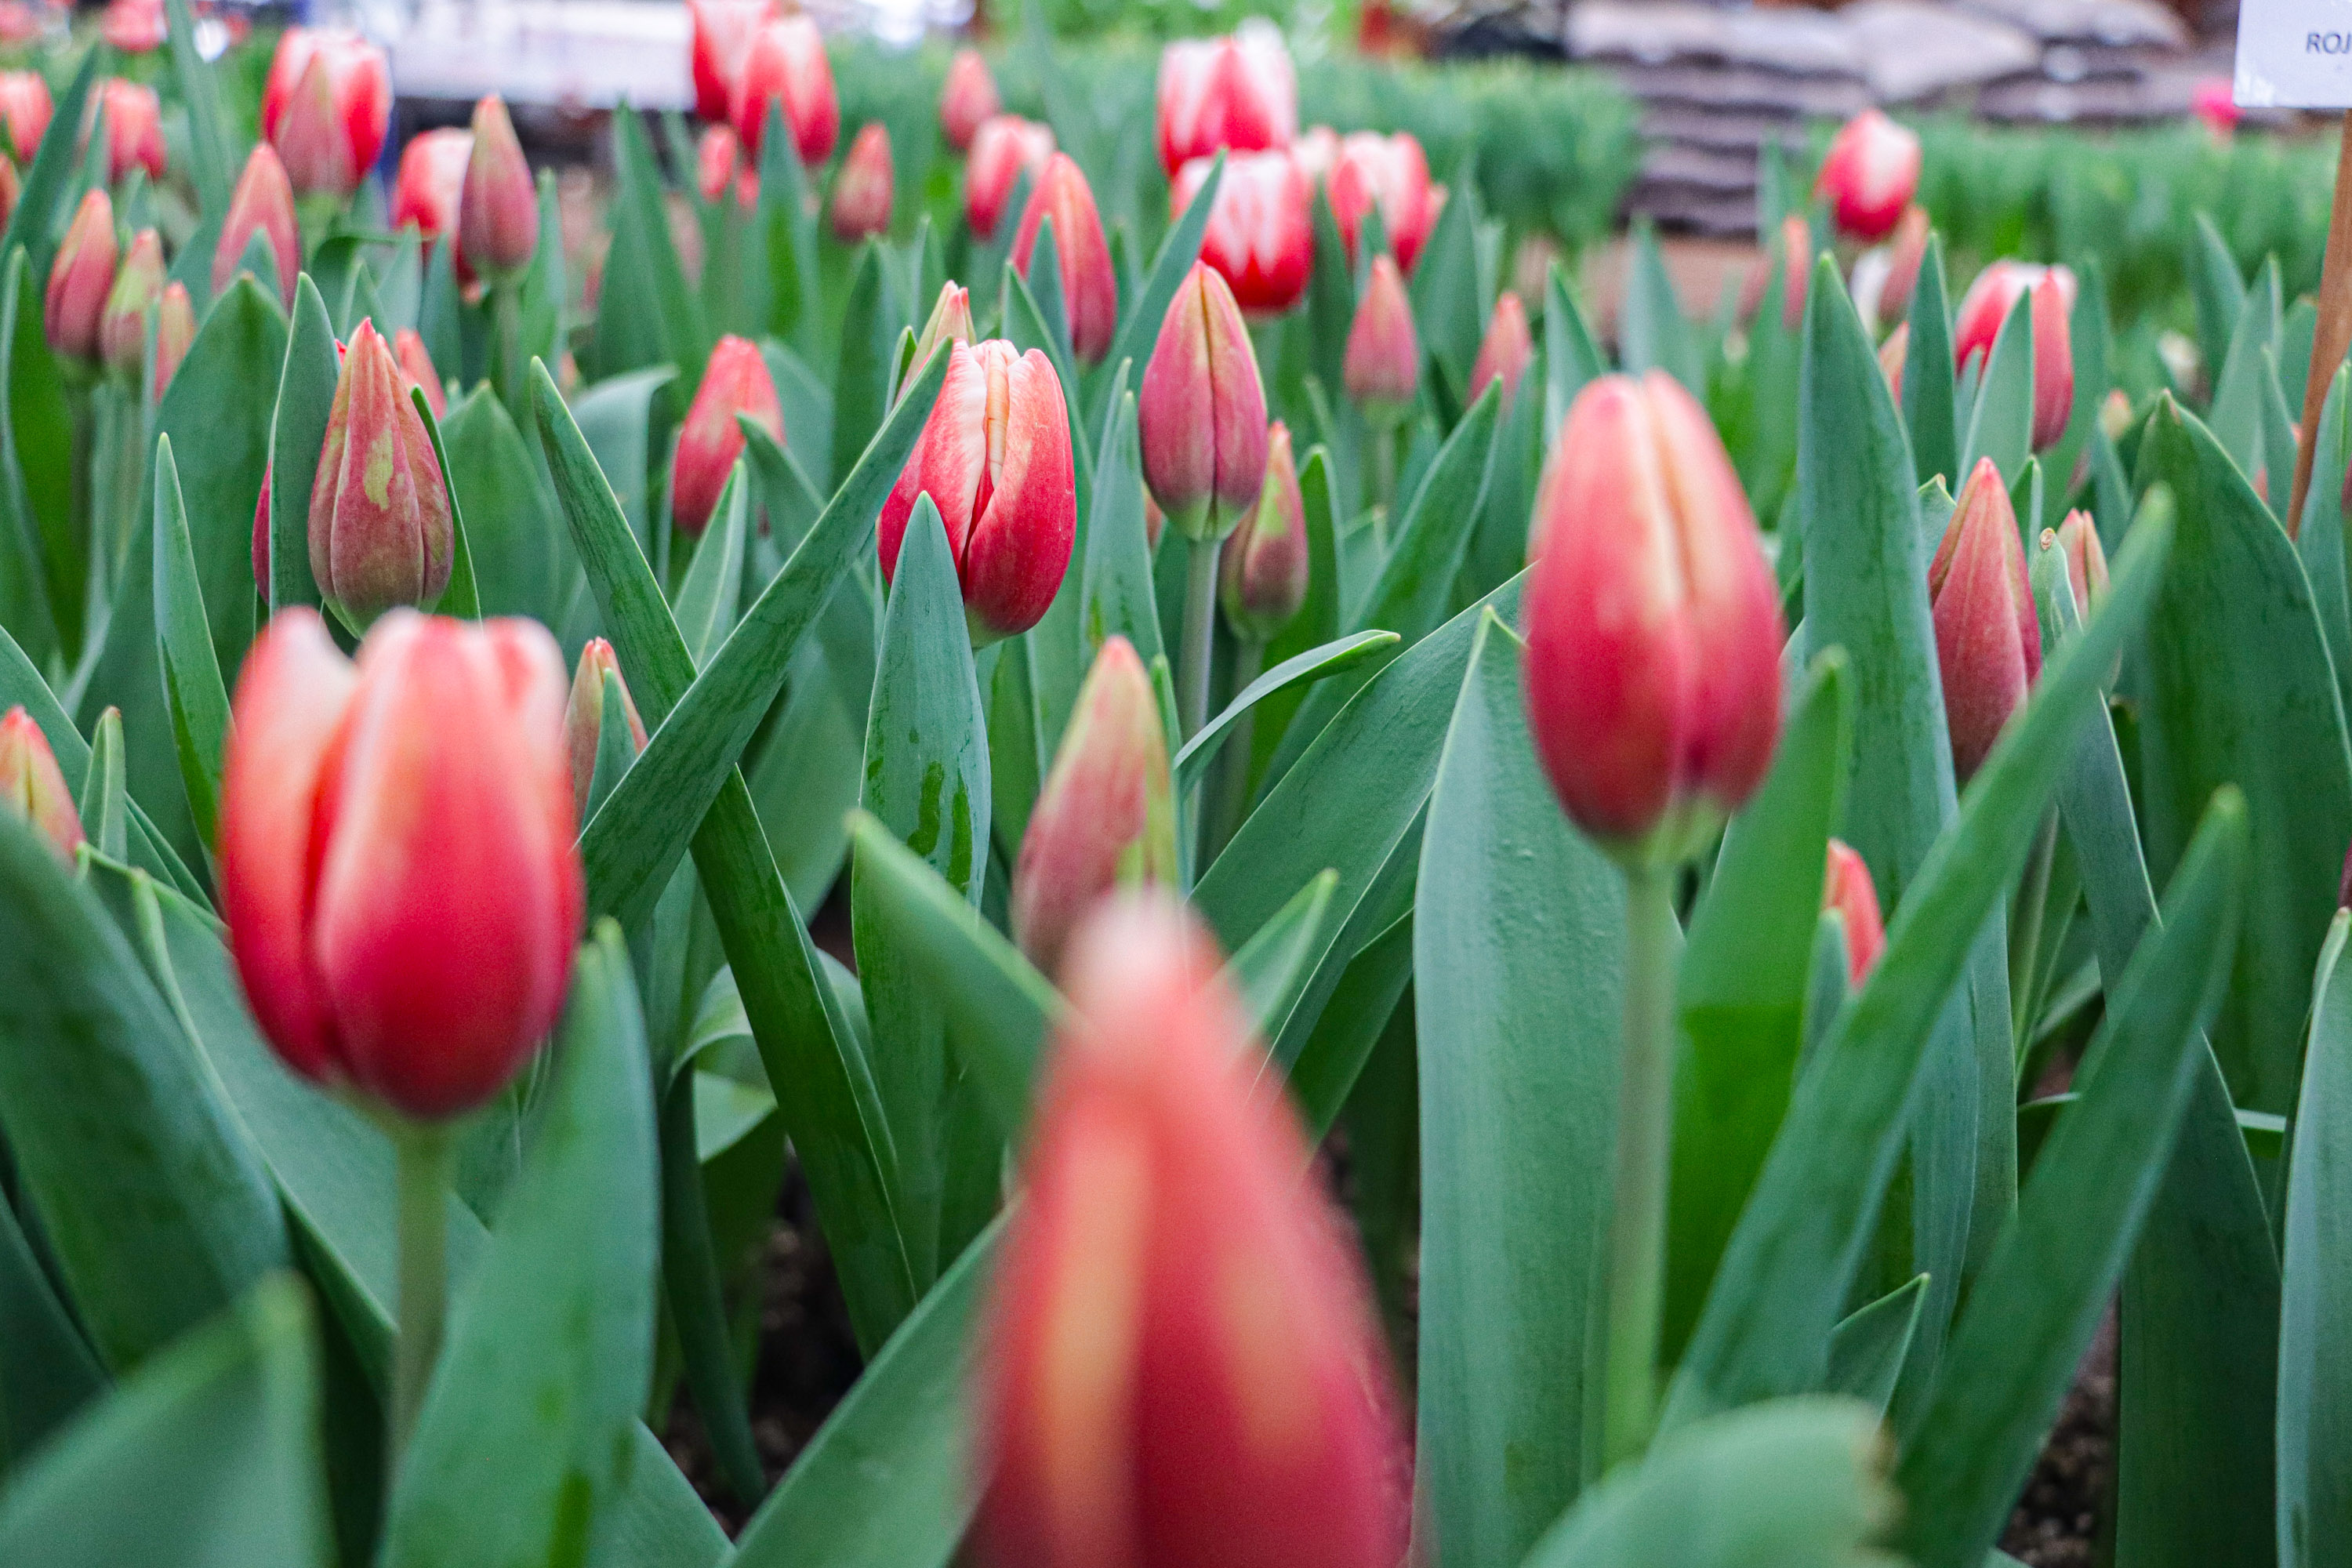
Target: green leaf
(1138,328)
(1272,968)
(691,1274)
(47,1369)
(298,431)
(208,1458)
(2216,288)
(1572,357)
(1116,586)
(1653,333)
(1519,947)
(1330,299)
(1929,391)
(220,430)
(616,417)
(1318,620)
(2319,540)
(462,597)
(706,601)
(787,494)
(2314,1385)
(1313,665)
(870,331)
(211,165)
(786,221)
(102,803)
(522,560)
(27,588)
(642,214)
(193,689)
(2087,333)
(1866,1351)
(2236,415)
(1446,307)
(2001,420)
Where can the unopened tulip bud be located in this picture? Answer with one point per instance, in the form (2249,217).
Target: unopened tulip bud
(138,285)
(498,207)
(1106,818)
(2086,562)
(175,329)
(1904,253)
(326,108)
(1391,173)
(1203,411)
(380,528)
(1383,370)
(1869,176)
(1155,522)
(1089,290)
(80,278)
(1261,233)
(32,790)
(134,129)
(994,457)
(1507,351)
(1988,638)
(862,190)
(1986,306)
(720,165)
(263,204)
(416,366)
(1848,889)
(720,36)
(1893,355)
(1178,1362)
(736,381)
(1238,93)
(134,27)
(425,191)
(2116,414)
(786,65)
(1263,568)
(1002,150)
(1653,624)
(25,111)
(584,718)
(949,322)
(397,867)
(968,100)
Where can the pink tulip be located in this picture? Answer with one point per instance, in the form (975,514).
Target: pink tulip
(968,100)
(786,64)
(134,129)
(380,527)
(720,36)
(325,108)
(1089,289)
(1003,147)
(1237,92)
(1848,889)
(32,789)
(417,370)
(1905,253)
(2214,103)
(175,329)
(584,718)
(1263,569)
(1261,233)
(1869,174)
(1506,351)
(2087,560)
(1382,369)
(138,287)
(134,27)
(1988,638)
(735,382)
(263,204)
(80,278)
(25,110)
(949,322)
(497,206)
(862,191)
(1986,306)
(1389,172)
(424,194)
(718,164)
(1202,409)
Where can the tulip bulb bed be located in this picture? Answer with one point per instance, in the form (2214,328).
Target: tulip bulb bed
(1794,864)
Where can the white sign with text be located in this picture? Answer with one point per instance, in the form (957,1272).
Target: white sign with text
(2294,54)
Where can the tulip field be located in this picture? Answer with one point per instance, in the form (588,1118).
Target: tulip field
(1372,910)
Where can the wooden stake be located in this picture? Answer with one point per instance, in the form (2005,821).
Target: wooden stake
(2333,340)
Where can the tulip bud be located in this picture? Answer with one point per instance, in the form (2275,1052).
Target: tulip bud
(175,329)
(25,110)
(1653,624)
(949,322)
(424,194)
(1986,306)
(1506,351)
(584,718)
(1261,233)
(718,164)
(1238,93)
(326,108)
(416,369)
(1263,569)
(786,64)
(2214,102)
(32,790)
(1383,370)
(736,381)
(1203,411)
(1869,176)
(1003,146)
(498,207)
(994,457)
(862,190)
(1089,289)
(1106,818)
(133,27)
(1893,355)
(2086,562)
(968,100)
(138,284)
(1178,1362)
(396,861)
(134,129)
(379,524)
(1368,170)
(1848,889)
(1988,638)
(721,36)
(263,203)
(1904,253)
(80,278)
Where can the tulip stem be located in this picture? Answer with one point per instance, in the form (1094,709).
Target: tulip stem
(1200,636)
(1637,1231)
(423,1173)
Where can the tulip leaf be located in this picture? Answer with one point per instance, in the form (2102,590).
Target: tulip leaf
(26,587)
(463,596)
(2000,419)
(1272,968)
(1519,939)
(2216,288)
(210,165)
(790,498)
(616,417)
(220,431)
(48,1371)
(1313,665)
(869,331)
(2235,416)
(1330,297)
(2319,539)
(2039,1298)
(1930,389)
(643,247)
(298,431)
(806,772)
(1654,334)
(1050,296)
(786,222)
(1573,356)
(694,1290)
(1318,620)
(521,558)
(1449,308)
(706,601)
(1117,595)
(1146,309)
(192,690)
(1867,1349)
(2314,1384)
(2087,334)
(104,795)
(38,219)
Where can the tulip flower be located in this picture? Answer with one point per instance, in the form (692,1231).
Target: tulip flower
(1106,818)
(326,107)
(380,528)
(134,129)
(138,286)
(1653,624)
(1261,233)
(1237,92)
(584,718)
(1382,369)
(862,190)
(1089,287)
(1988,638)
(1002,149)
(396,861)
(1391,173)
(498,207)
(1178,1362)
(416,369)
(718,162)
(949,322)
(25,110)
(994,457)
(263,204)
(175,329)
(133,27)
(968,100)
(80,278)
(720,38)
(1506,350)
(1869,174)
(1986,306)
(1905,253)
(32,790)
(1263,569)
(2087,560)
(736,381)
(2215,104)
(1848,889)
(424,194)
(786,64)
(1203,411)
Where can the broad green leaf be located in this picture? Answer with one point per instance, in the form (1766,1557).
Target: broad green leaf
(870,331)
(1272,968)
(27,586)
(2236,415)
(1139,326)
(786,493)
(691,1274)
(462,597)
(2319,538)
(2001,420)
(2087,333)
(47,1369)
(2218,290)
(1315,664)
(1928,389)
(219,427)
(1449,313)
(1867,1349)
(641,214)
(298,431)
(786,222)
(37,439)
(2314,1384)
(706,601)
(616,417)
(1653,333)
(522,560)
(1330,299)
(807,770)
(1116,584)
(1571,355)
(193,689)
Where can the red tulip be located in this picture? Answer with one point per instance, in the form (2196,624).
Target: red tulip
(718,162)
(134,27)
(1263,569)
(1002,149)
(1988,638)
(1869,174)
(32,790)
(1848,889)
(1905,253)
(416,369)
(134,129)
(325,108)
(1261,233)
(175,329)
(1237,92)
(1654,626)
(263,203)
(1987,305)
(735,382)
(1506,351)
(138,287)
(432,173)
(2086,562)
(497,206)
(25,110)
(1202,410)
(396,859)
(862,190)
(721,37)
(1382,369)
(1391,173)
(2214,103)
(1089,287)
(584,718)
(1106,818)
(968,100)
(994,457)
(949,322)
(80,278)
(380,528)
(1178,1363)
(786,64)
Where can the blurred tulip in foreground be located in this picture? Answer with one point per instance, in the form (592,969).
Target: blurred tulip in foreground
(1383,368)
(1262,572)
(1202,409)
(584,718)
(80,278)
(1986,307)
(1988,638)
(263,204)
(1261,233)
(32,789)
(1237,92)
(1506,350)
(1004,147)
(1848,889)
(718,164)
(968,99)
(735,382)
(133,27)
(1089,290)
(1869,174)
(379,524)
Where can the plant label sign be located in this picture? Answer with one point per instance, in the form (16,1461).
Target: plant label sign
(2294,54)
